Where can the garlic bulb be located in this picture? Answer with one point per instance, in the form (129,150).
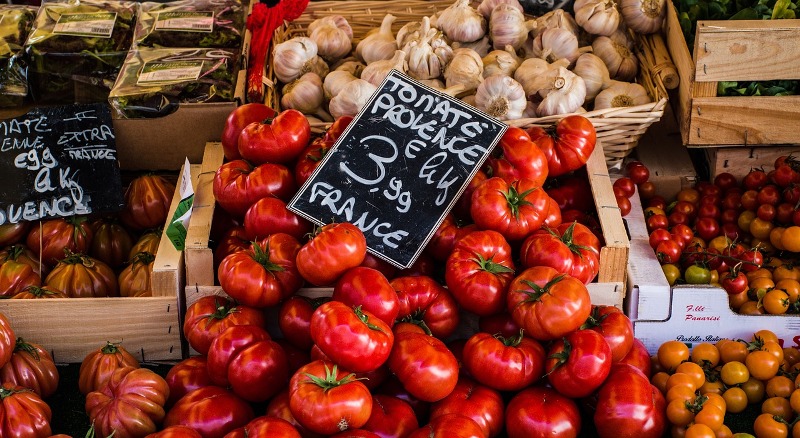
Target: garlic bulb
(378,44)
(594,73)
(469,100)
(487,6)
(350,65)
(481,47)
(377,71)
(460,22)
(536,74)
(335,81)
(598,17)
(501,61)
(409,31)
(621,61)
(643,16)
(556,19)
(351,99)
(507,26)
(557,43)
(466,68)
(427,55)
(304,94)
(292,58)
(333,35)
(621,94)
(501,96)
(530,111)
(565,93)
(433,83)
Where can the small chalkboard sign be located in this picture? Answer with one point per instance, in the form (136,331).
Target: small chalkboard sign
(399,167)
(57,162)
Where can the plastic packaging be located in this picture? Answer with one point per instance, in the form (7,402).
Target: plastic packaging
(191,23)
(15,24)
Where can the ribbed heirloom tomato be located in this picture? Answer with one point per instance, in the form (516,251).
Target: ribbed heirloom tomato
(334,249)
(427,369)
(578,363)
(513,209)
(569,248)
(32,367)
(368,288)
(238,184)
(505,364)
(267,427)
(186,376)
(211,315)
(516,157)
(541,411)
(147,201)
(482,404)
(97,366)
(277,140)
(210,410)
(425,302)
(23,413)
(130,404)
(57,235)
(568,145)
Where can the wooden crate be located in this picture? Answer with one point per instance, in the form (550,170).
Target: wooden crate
(148,327)
(736,50)
(738,161)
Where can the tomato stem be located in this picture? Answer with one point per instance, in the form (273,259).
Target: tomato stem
(330,381)
(21,345)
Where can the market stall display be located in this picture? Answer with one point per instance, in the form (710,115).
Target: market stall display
(206,24)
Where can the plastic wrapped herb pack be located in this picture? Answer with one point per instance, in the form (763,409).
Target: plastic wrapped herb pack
(15,24)
(153,82)
(76,48)
(191,23)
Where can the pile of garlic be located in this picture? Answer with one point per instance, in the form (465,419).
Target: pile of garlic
(493,56)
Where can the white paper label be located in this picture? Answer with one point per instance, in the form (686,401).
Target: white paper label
(176,231)
(100,24)
(167,72)
(185,21)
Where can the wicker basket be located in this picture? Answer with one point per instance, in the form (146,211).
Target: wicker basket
(619,129)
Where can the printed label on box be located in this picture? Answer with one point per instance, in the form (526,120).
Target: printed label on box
(183,21)
(98,24)
(167,72)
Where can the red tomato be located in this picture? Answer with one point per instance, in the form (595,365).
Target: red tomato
(482,404)
(7,340)
(369,289)
(238,185)
(444,238)
(294,319)
(505,364)
(769,194)
(11,234)
(240,117)
(638,357)
(186,376)
(234,239)
(336,248)
(638,172)
(571,191)
(569,248)
(755,179)
(615,327)
(278,407)
(267,427)
(707,228)
(135,280)
(244,358)
(668,251)
(540,411)
(31,366)
(427,369)
(351,337)
(568,146)
(97,366)
(147,201)
(391,417)
(51,238)
(628,405)
(425,302)
(548,304)
(513,209)
(176,432)
(279,140)
(211,315)
(517,156)
(454,425)
(734,283)
(111,242)
(624,187)
(210,410)
(270,216)
(659,235)
(657,221)
(464,202)
(16,276)
(23,413)
(784,175)
(725,181)
(326,399)
(129,405)
(81,276)
(553,218)
(264,274)
(499,323)
(355,433)
(479,270)
(578,363)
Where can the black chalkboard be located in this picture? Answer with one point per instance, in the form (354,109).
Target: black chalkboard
(399,167)
(58,161)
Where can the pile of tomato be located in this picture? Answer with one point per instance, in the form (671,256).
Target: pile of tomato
(701,386)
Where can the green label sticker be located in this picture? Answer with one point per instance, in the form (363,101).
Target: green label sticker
(185,21)
(169,71)
(99,24)
(176,231)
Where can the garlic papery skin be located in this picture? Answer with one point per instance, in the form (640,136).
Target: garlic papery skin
(466,68)
(501,96)
(620,95)
(351,99)
(335,82)
(333,35)
(507,27)
(643,16)
(556,19)
(294,57)
(428,54)
(594,73)
(621,61)
(469,100)
(376,72)
(460,22)
(557,43)
(532,74)
(410,31)
(481,47)
(565,93)
(379,44)
(598,17)
(530,111)
(487,6)
(436,83)
(501,61)
(350,65)
(303,94)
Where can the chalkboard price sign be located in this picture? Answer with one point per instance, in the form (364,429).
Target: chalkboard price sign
(399,167)
(57,162)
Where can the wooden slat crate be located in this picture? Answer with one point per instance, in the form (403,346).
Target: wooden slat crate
(736,50)
(738,161)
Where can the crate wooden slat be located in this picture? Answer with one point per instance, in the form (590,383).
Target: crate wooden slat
(739,161)
(735,51)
